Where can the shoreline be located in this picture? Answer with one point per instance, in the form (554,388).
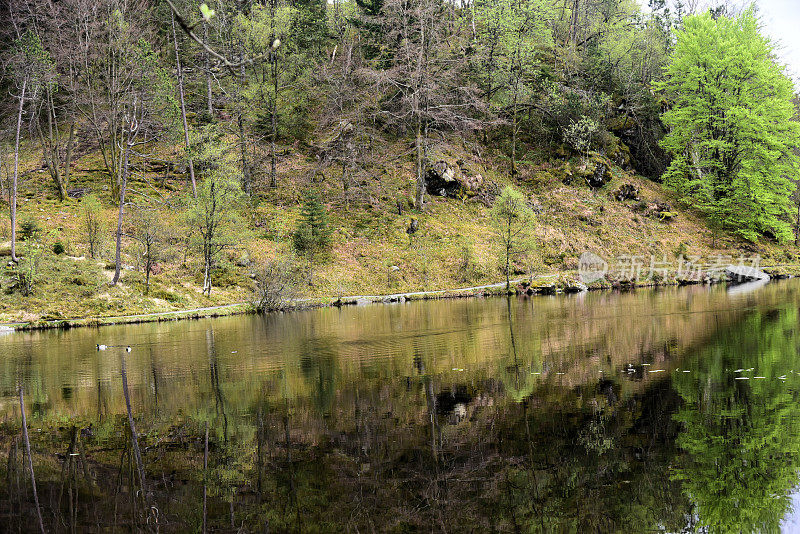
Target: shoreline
(561,283)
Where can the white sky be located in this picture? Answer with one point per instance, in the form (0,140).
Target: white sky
(781,19)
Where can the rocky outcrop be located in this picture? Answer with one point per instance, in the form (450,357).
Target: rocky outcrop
(661,211)
(575,286)
(601,175)
(595,171)
(627,192)
(452,181)
(655,210)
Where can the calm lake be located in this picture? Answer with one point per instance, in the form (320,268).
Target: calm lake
(650,411)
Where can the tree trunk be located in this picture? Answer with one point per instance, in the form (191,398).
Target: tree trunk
(345,186)
(246,178)
(514,138)
(51,148)
(573,24)
(273,170)
(206,271)
(148,267)
(15,182)
(134,436)
(30,458)
(68,161)
(207,68)
(179,74)
(509,247)
(419,200)
(122,188)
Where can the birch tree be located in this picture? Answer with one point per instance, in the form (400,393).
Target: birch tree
(30,67)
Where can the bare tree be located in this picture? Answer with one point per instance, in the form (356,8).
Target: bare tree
(28,66)
(277,282)
(150,234)
(92,223)
(117,66)
(179,76)
(427,86)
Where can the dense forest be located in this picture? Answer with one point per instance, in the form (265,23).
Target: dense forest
(226,142)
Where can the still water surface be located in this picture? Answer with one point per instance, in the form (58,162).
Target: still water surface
(652,411)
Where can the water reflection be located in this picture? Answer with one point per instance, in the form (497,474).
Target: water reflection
(667,410)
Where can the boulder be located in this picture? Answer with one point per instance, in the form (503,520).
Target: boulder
(627,192)
(535,206)
(661,211)
(575,286)
(79,192)
(743,273)
(453,181)
(594,171)
(440,178)
(601,175)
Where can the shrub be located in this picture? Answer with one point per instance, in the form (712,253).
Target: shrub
(276,284)
(58,248)
(28,229)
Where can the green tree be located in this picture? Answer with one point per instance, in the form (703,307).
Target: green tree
(312,236)
(265,32)
(213,216)
(512,32)
(731,129)
(310,26)
(512,217)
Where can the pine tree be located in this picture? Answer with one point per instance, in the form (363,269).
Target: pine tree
(312,236)
(731,129)
(310,26)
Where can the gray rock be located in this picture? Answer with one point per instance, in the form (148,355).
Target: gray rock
(575,286)
(742,273)
(627,192)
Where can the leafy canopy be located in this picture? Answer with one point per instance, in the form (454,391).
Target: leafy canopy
(731,129)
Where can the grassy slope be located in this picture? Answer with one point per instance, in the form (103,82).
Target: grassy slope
(369,237)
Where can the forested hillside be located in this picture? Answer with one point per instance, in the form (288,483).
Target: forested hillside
(168,154)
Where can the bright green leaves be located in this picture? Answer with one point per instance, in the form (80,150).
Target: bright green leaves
(731,125)
(740,436)
(513,33)
(206,12)
(513,219)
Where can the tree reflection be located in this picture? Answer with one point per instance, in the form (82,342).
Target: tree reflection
(488,417)
(742,436)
